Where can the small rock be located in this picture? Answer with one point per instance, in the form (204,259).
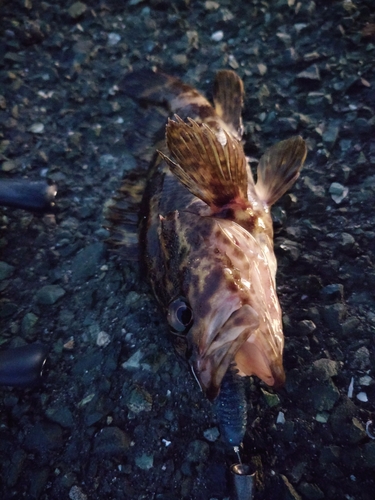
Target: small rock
(76,493)
(8,165)
(6,270)
(347,242)
(139,400)
(310,73)
(198,451)
(306,327)
(111,441)
(212,434)
(326,368)
(333,316)
(365,381)
(77,9)
(338,192)
(362,396)
(145,462)
(324,396)
(330,135)
(369,455)
(134,360)
(49,294)
(103,339)
(86,263)
(310,491)
(271,399)
(113,38)
(361,360)
(62,416)
(28,322)
(217,36)
(280,418)
(332,293)
(37,128)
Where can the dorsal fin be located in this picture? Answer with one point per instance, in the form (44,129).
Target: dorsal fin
(279,168)
(228,98)
(212,165)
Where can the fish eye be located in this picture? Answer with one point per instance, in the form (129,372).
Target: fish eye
(180,316)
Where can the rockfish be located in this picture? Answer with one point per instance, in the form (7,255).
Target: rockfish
(205,230)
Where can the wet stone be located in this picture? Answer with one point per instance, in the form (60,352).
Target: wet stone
(62,416)
(324,396)
(44,437)
(361,359)
(332,293)
(369,455)
(346,242)
(345,424)
(330,135)
(310,73)
(270,399)
(49,294)
(333,316)
(197,451)
(86,263)
(7,308)
(28,322)
(326,368)
(6,270)
(306,327)
(111,441)
(145,461)
(139,400)
(310,491)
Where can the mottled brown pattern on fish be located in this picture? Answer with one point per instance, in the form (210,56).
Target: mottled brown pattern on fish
(206,229)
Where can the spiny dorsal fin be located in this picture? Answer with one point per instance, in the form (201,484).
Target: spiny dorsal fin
(211,165)
(279,168)
(228,98)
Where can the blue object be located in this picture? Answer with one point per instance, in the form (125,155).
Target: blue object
(231,408)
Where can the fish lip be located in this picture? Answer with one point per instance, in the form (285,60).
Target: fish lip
(211,362)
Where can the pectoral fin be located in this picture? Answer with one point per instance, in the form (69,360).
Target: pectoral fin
(212,165)
(279,168)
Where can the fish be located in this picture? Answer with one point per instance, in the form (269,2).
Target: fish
(205,232)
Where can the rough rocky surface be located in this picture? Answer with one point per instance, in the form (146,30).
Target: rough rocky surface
(119,416)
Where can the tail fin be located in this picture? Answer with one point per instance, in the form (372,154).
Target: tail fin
(279,168)
(158,88)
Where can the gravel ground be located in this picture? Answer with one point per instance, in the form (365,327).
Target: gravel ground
(119,416)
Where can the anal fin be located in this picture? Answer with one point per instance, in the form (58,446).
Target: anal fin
(228,99)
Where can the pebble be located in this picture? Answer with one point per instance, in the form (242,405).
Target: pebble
(111,441)
(333,316)
(361,359)
(217,36)
(326,368)
(332,293)
(212,434)
(362,396)
(139,400)
(103,339)
(28,323)
(77,9)
(331,134)
(37,128)
(76,493)
(86,263)
(6,270)
(49,294)
(306,327)
(145,461)
(270,398)
(310,73)
(338,192)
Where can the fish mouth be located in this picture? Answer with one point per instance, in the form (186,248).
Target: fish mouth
(212,362)
(240,342)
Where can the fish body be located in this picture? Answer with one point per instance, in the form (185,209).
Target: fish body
(206,232)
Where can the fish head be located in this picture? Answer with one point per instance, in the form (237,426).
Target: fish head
(221,309)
